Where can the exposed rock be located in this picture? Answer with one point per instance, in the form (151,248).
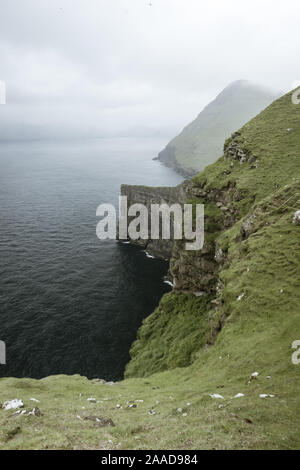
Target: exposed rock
(34,399)
(253,376)
(155,195)
(35,412)
(219,254)
(99,421)
(168,158)
(13,404)
(248,226)
(266,395)
(99,381)
(234,149)
(189,271)
(132,405)
(296,218)
(193,271)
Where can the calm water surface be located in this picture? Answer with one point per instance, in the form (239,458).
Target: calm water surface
(70,303)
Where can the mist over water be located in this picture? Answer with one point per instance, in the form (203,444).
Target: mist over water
(70,303)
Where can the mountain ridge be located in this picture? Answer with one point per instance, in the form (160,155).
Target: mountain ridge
(200,142)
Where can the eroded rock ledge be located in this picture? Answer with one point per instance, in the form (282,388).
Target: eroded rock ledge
(190,271)
(197,271)
(148,195)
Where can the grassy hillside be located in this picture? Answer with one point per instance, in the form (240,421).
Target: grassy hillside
(269,177)
(193,346)
(201,142)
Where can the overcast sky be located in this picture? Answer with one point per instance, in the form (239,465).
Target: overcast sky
(97,68)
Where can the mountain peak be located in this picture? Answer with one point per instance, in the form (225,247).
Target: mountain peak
(201,142)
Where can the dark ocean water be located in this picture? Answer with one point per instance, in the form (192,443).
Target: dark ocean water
(70,303)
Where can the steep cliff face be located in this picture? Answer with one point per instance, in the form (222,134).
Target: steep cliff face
(251,251)
(201,142)
(210,333)
(148,195)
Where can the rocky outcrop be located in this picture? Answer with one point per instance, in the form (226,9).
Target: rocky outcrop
(155,195)
(190,271)
(249,259)
(236,150)
(168,158)
(296,218)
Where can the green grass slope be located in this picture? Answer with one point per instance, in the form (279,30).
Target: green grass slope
(201,142)
(192,347)
(271,142)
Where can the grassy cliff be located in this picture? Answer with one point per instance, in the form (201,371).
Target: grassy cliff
(234,311)
(253,188)
(200,143)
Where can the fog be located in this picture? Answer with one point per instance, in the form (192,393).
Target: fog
(115,68)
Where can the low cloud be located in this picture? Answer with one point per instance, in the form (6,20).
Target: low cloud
(77,69)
